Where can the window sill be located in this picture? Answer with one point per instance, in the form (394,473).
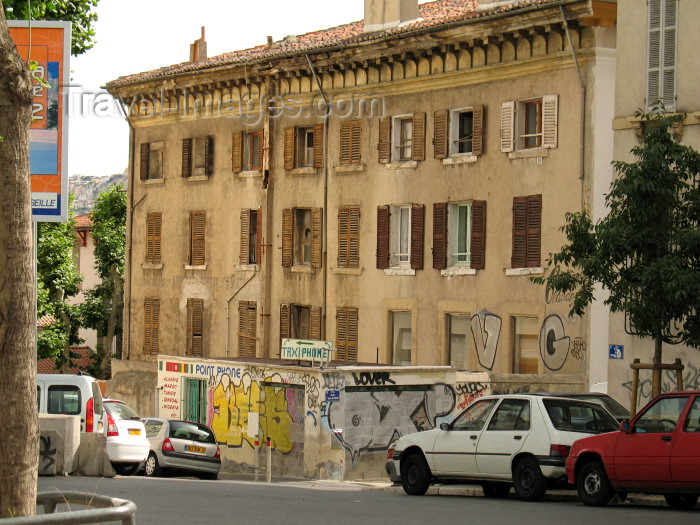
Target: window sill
(247,174)
(402,165)
(248,267)
(399,271)
(524,271)
(350,168)
(457,270)
(530,153)
(302,268)
(152,266)
(197,178)
(304,171)
(195,267)
(154,182)
(348,271)
(460,158)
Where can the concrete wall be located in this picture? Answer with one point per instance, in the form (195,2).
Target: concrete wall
(134,383)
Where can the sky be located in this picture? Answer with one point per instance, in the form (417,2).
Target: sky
(140,35)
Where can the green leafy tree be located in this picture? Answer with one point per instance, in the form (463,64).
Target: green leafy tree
(102,308)
(646,251)
(79,12)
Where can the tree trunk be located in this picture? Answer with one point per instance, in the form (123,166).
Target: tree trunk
(19,428)
(656,372)
(118,290)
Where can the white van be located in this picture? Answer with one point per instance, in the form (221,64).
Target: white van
(73,395)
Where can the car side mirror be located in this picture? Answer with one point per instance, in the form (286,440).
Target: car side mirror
(625,426)
(445,426)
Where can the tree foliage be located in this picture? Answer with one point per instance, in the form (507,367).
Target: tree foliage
(79,12)
(646,251)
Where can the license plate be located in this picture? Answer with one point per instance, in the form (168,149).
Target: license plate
(134,432)
(198,450)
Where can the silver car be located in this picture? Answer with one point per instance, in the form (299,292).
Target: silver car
(181,445)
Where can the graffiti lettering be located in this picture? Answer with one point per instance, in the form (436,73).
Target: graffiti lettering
(333,381)
(691,381)
(486,329)
(554,343)
(47,455)
(373,378)
(579,349)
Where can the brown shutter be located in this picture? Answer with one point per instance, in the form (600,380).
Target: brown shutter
(346,334)
(285,321)
(478,246)
(534,221)
(315,321)
(417,224)
(244,257)
(237,152)
(261,149)
(349,236)
(151,325)
(441,138)
(418,138)
(247,314)
(290,140)
(478,130)
(440,235)
(195,327)
(145,160)
(519,256)
(208,154)
(356,156)
(383,215)
(153,237)
(259,237)
(350,142)
(318,146)
(287,240)
(197,237)
(384,145)
(186,157)
(316,237)
(343,236)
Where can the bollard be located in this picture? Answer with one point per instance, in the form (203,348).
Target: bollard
(256,464)
(269,460)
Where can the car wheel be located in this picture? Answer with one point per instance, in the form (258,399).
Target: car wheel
(528,481)
(415,475)
(593,485)
(125,469)
(496,490)
(152,468)
(681,501)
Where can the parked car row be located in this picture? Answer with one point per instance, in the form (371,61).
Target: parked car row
(534,442)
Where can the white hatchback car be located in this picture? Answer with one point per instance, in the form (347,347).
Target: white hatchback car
(127,444)
(499,441)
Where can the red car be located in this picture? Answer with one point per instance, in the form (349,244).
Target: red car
(658,452)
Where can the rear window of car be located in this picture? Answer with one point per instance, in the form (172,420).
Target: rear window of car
(153,427)
(191,431)
(576,416)
(120,410)
(63,399)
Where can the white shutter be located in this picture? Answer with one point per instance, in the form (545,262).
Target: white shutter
(661,73)
(549,121)
(507,126)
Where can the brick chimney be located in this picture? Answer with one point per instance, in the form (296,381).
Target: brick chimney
(385,14)
(198,50)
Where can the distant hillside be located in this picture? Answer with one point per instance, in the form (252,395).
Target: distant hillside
(86,188)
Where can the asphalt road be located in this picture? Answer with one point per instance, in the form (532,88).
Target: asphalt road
(182,500)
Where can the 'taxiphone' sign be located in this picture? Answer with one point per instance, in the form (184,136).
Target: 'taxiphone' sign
(47,44)
(306,350)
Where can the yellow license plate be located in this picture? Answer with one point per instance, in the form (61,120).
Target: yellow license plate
(198,450)
(134,432)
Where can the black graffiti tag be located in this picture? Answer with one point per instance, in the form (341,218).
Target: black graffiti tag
(373,378)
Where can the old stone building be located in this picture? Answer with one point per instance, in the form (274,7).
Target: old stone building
(389,185)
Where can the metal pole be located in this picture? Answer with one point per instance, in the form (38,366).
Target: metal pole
(269,460)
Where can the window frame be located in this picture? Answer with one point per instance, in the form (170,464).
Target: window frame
(151,161)
(197,156)
(291,243)
(251,236)
(445,235)
(514,119)
(396,336)
(290,326)
(389,244)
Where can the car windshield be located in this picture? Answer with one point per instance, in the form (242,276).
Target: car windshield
(119,410)
(474,416)
(578,416)
(191,431)
(612,406)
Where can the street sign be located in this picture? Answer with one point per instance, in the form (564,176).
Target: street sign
(307,350)
(617,351)
(332,395)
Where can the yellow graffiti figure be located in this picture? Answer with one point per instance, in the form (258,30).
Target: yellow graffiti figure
(275,419)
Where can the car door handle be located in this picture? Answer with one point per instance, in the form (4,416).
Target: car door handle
(518,437)
(473,437)
(665,438)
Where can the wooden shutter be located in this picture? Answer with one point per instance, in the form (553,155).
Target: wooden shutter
(318,145)
(316,237)
(153,237)
(259,237)
(287,239)
(145,160)
(534,222)
(478,130)
(442,134)
(151,325)
(237,152)
(384,145)
(417,225)
(261,149)
(549,121)
(661,69)
(290,141)
(195,327)
(197,237)
(247,318)
(440,235)
(478,244)
(349,236)
(208,154)
(383,215)
(315,319)
(350,142)
(346,334)
(244,257)
(508,126)
(418,138)
(519,255)
(186,157)
(285,321)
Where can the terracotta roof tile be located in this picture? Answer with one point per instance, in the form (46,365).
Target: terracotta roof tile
(45,321)
(82,358)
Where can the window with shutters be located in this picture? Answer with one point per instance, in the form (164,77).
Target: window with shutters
(459,134)
(300,321)
(195,327)
(247,151)
(302,236)
(459,236)
(154,222)
(197,238)
(151,162)
(151,325)
(401,139)
(401,338)
(349,237)
(527,226)
(346,334)
(197,156)
(400,237)
(662,53)
(251,237)
(247,321)
(529,124)
(351,142)
(303,148)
